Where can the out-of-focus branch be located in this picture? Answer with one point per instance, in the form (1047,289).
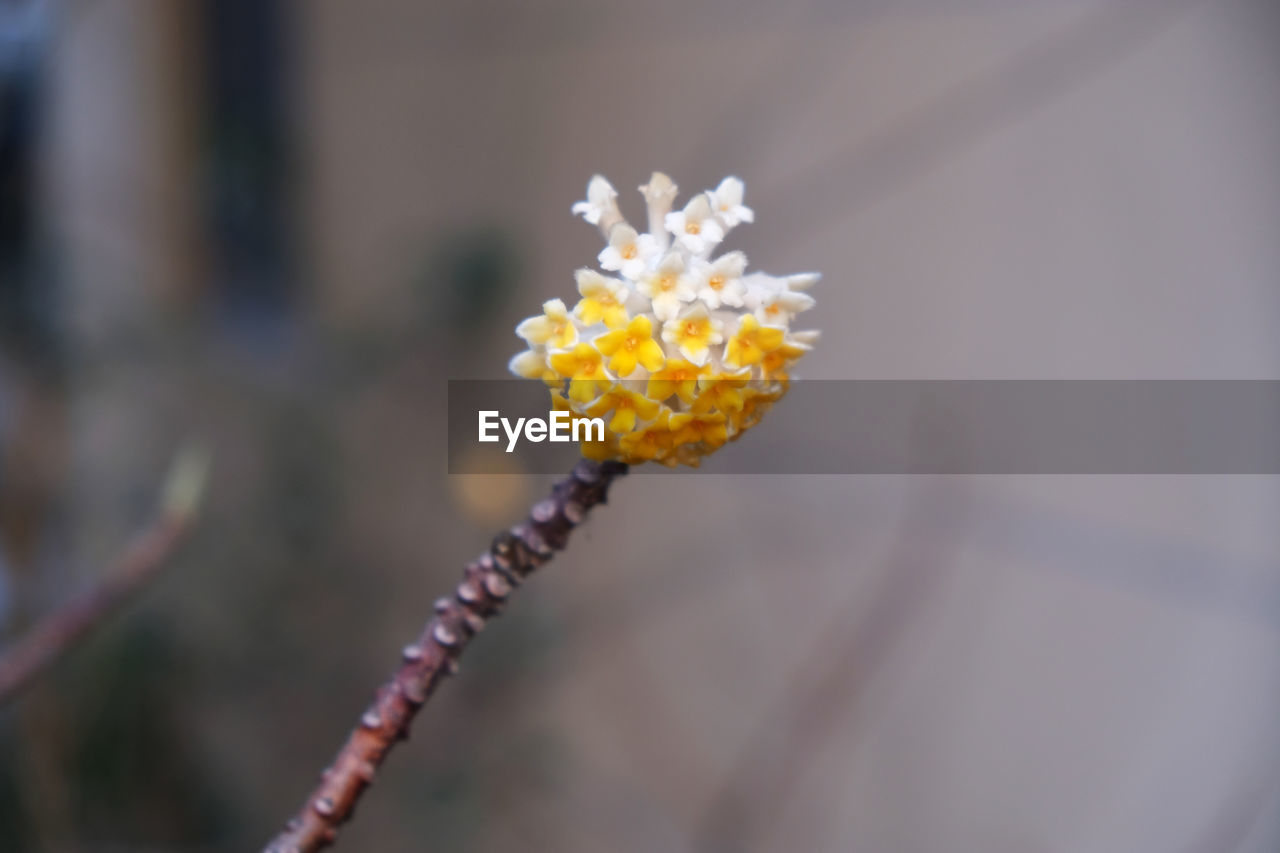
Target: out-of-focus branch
(143,559)
(485,586)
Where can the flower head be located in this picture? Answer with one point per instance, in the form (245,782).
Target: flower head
(682,351)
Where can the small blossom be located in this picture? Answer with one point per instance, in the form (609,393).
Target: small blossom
(628,252)
(803,280)
(667,287)
(532,364)
(603,298)
(779,305)
(758,287)
(710,430)
(584,368)
(807,338)
(626,347)
(651,442)
(659,194)
(775,364)
(755,403)
(750,343)
(601,204)
(695,227)
(627,406)
(721,393)
(694,333)
(678,377)
(726,201)
(554,328)
(720,281)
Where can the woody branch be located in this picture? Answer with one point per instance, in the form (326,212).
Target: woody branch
(486,584)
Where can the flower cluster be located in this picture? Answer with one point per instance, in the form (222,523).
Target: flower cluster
(681,350)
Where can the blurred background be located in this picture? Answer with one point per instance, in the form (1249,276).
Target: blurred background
(282,226)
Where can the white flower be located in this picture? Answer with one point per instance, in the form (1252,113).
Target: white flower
(726,201)
(628,252)
(719,282)
(667,286)
(806,338)
(758,288)
(530,364)
(803,280)
(694,227)
(772,301)
(659,195)
(601,203)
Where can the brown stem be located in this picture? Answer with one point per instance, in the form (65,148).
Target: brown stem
(60,631)
(486,583)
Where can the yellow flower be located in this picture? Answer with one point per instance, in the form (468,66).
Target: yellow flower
(679,377)
(627,346)
(599,451)
(708,430)
(584,367)
(627,407)
(602,299)
(751,342)
(694,333)
(649,443)
(721,393)
(754,405)
(591,448)
(554,328)
(775,364)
